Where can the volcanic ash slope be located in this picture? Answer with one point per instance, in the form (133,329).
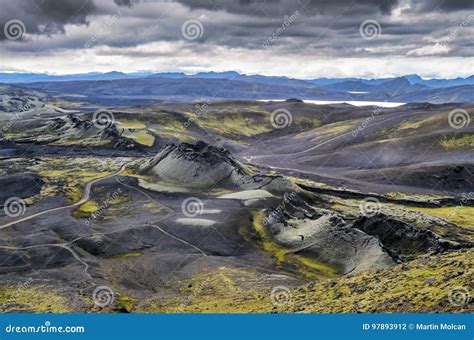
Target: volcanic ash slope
(203,166)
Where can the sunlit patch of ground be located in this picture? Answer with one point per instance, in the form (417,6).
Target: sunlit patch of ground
(450,143)
(423,285)
(136,130)
(32,299)
(301,265)
(69,175)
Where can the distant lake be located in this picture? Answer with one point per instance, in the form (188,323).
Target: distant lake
(350,102)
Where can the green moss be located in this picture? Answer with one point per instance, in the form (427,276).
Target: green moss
(419,286)
(128,255)
(130,124)
(136,130)
(142,137)
(70,175)
(32,299)
(87,209)
(413,197)
(462,216)
(423,285)
(310,183)
(302,265)
(220,291)
(266,242)
(309,123)
(467,141)
(236,125)
(174,129)
(328,131)
(416,124)
(127,302)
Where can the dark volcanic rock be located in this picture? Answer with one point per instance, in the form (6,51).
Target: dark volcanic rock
(119,142)
(23,186)
(401,239)
(205,153)
(324,236)
(204,166)
(198,165)
(74,127)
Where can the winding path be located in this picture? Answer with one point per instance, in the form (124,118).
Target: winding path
(84,199)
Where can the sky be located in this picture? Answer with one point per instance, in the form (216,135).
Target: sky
(296,38)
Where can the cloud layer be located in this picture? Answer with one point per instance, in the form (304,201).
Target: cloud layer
(366,37)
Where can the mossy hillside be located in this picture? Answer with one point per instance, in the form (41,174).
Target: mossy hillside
(299,264)
(319,134)
(418,123)
(236,125)
(126,303)
(453,223)
(136,130)
(452,143)
(70,175)
(104,205)
(86,209)
(423,285)
(32,299)
(130,124)
(142,137)
(176,131)
(310,183)
(462,216)
(225,290)
(128,255)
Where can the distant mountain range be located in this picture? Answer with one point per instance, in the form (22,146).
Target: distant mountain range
(128,88)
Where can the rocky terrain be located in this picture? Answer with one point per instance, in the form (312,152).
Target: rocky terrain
(224,207)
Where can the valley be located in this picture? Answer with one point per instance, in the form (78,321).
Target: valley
(233,206)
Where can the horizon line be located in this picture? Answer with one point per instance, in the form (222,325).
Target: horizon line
(228,71)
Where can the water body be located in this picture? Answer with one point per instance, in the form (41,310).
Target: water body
(350,102)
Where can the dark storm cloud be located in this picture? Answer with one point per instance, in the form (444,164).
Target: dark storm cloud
(280,7)
(443,5)
(320,28)
(259,7)
(128,3)
(45,16)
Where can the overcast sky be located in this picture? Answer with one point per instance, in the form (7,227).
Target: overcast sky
(296,38)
